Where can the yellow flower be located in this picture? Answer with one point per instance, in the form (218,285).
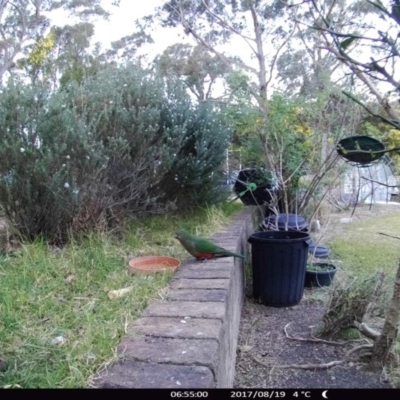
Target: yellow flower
(41,49)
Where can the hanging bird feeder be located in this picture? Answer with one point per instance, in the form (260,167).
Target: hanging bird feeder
(253,187)
(362,150)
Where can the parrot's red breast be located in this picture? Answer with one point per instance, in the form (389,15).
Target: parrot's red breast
(204,255)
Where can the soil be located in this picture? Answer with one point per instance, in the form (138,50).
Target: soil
(264,347)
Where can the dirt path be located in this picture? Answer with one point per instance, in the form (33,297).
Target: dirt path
(262,339)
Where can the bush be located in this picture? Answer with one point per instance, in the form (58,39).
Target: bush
(123,139)
(194,177)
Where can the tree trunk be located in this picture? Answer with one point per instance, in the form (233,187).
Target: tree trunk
(387,340)
(262,73)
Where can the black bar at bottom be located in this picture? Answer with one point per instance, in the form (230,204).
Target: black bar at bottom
(220,394)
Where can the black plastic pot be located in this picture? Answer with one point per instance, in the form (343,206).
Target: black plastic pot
(279,261)
(253,188)
(294,222)
(320,278)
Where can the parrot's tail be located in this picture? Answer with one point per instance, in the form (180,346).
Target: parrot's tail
(227,253)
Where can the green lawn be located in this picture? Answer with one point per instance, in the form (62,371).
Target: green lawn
(362,251)
(45,294)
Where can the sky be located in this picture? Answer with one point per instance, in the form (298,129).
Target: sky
(122,23)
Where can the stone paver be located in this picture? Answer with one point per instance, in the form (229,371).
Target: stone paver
(170,351)
(203,295)
(178,328)
(186,309)
(140,375)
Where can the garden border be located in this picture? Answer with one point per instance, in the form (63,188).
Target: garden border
(189,340)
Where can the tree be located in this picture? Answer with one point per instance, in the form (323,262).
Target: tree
(24,27)
(63,54)
(250,24)
(125,49)
(304,69)
(368,50)
(195,66)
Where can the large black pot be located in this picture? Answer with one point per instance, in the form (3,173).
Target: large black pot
(253,187)
(279,261)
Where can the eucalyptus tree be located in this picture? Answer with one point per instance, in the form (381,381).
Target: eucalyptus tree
(256,29)
(364,37)
(195,66)
(25,27)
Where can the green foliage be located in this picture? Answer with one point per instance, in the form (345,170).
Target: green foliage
(320,268)
(193,177)
(73,158)
(284,134)
(197,68)
(382,131)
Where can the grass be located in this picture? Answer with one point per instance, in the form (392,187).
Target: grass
(362,251)
(45,294)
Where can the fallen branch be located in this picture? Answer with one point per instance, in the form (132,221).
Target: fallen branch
(335,205)
(300,366)
(385,234)
(315,366)
(316,340)
(363,346)
(366,330)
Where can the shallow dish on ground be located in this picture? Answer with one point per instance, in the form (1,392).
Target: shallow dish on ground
(152,264)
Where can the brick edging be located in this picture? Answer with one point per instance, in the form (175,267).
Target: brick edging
(190,340)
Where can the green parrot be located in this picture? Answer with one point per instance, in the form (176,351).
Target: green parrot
(202,248)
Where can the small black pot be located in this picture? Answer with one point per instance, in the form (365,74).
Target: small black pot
(320,278)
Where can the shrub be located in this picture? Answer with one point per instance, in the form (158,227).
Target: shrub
(71,159)
(194,177)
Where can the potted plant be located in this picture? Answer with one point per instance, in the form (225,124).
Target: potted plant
(319,274)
